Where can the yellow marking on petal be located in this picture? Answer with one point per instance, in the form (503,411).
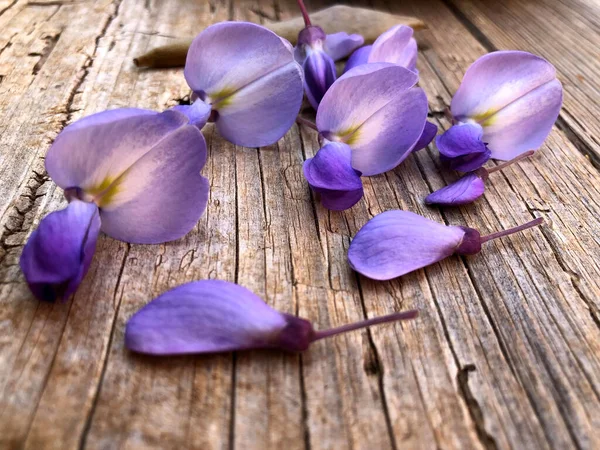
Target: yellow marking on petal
(222,98)
(105,191)
(349,136)
(486,118)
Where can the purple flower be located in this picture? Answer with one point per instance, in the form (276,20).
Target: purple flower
(462,147)
(246,81)
(427,136)
(395,243)
(514,96)
(376,110)
(470,187)
(59,252)
(133,173)
(330,173)
(396,46)
(217,316)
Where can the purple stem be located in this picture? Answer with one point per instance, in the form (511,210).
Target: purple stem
(308,123)
(512,161)
(304,13)
(365,323)
(499,234)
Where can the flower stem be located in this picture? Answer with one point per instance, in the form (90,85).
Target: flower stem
(306,122)
(499,234)
(304,13)
(405,315)
(512,161)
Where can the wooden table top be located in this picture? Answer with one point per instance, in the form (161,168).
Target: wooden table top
(505,353)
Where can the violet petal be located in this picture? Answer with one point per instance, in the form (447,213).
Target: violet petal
(374,109)
(197,113)
(319,75)
(465,190)
(515,96)
(59,252)
(212,316)
(250,78)
(396,46)
(331,174)
(359,57)
(394,243)
(339,45)
(429,132)
(462,148)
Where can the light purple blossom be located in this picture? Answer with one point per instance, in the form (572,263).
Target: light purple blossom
(462,147)
(375,110)
(514,96)
(330,173)
(246,80)
(395,243)
(218,316)
(135,173)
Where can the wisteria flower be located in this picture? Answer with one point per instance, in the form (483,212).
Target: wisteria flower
(330,173)
(246,80)
(513,96)
(134,174)
(375,110)
(212,316)
(395,243)
(469,187)
(462,147)
(396,46)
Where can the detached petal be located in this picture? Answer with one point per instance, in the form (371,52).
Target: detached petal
(249,76)
(373,109)
(427,136)
(396,46)
(397,242)
(206,317)
(331,174)
(465,190)
(340,45)
(162,195)
(515,96)
(462,147)
(58,254)
(359,57)
(319,75)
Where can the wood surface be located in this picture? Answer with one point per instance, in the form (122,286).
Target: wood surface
(505,353)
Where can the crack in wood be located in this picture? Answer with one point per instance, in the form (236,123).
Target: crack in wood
(51,41)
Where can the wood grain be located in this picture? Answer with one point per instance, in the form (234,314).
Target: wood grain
(505,353)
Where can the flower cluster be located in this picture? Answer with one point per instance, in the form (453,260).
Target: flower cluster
(135,174)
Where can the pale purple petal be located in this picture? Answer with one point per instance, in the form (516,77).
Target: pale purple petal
(373,109)
(59,252)
(524,124)
(339,45)
(331,174)
(515,96)
(359,57)
(205,317)
(462,147)
(250,78)
(465,190)
(427,136)
(394,243)
(93,152)
(319,75)
(161,197)
(396,46)
(197,113)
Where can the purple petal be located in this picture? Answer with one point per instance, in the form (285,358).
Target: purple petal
(331,174)
(161,197)
(462,148)
(394,243)
(197,113)
(465,190)
(359,57)
(427,136)
(340,45)
(373,109)
(396,46)
(319,75)
(250,78)
(96,150)
(59,252)
(206,317)
(516,95)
